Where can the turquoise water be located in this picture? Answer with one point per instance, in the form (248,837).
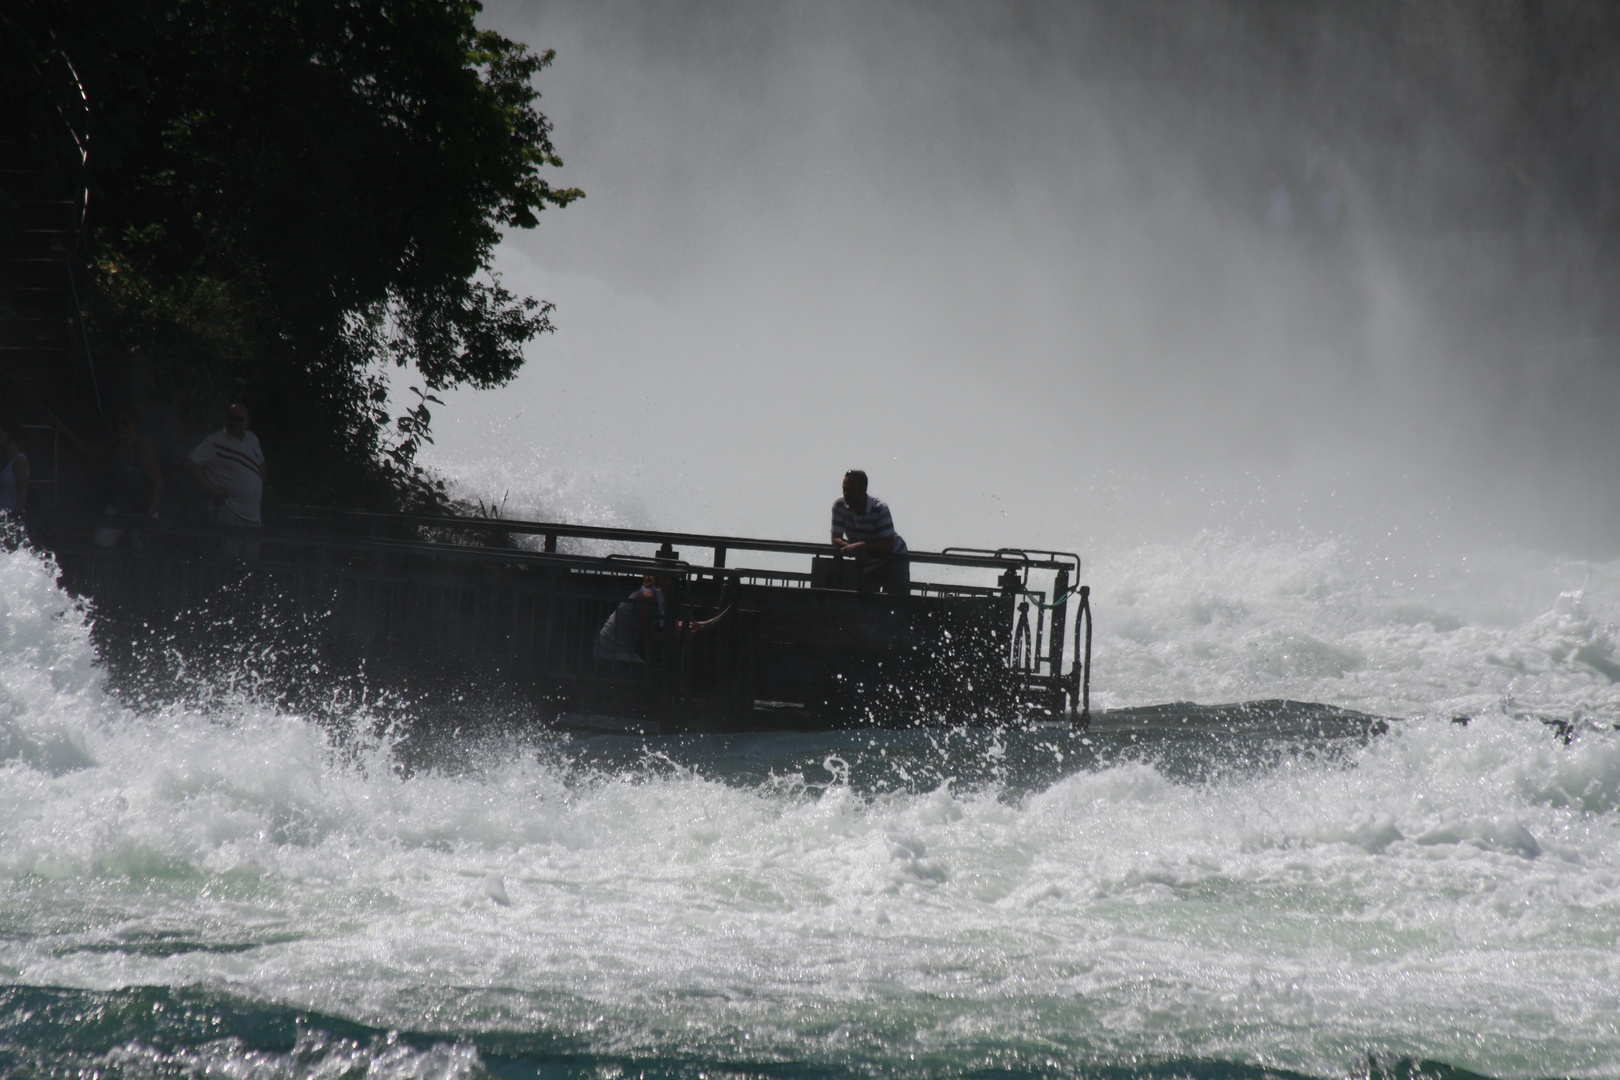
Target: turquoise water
(1277,890)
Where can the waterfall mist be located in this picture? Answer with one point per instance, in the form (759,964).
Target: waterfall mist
(1027,264)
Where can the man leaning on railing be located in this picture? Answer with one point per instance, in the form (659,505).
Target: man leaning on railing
(863,528)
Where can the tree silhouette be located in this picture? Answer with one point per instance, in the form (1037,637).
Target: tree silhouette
(287,198)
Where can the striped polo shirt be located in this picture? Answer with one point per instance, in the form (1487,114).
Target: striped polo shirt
(873,523)
(237,465)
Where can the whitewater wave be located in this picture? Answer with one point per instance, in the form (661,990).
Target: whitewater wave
(1228,618)
(871,897)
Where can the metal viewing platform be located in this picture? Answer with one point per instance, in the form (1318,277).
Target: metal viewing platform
(503,615)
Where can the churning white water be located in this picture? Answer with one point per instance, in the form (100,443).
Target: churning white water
(1440,890)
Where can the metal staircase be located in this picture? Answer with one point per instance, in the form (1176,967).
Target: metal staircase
(40,227)
(44,358)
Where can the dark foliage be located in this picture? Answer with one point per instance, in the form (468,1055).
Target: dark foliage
(286,198)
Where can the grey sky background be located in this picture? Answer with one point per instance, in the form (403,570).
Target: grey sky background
(918,239)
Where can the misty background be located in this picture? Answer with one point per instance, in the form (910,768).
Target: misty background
(1070,275)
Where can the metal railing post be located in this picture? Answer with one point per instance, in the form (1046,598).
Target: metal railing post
(1060,612)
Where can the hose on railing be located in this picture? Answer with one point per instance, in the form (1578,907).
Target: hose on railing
(1057,601)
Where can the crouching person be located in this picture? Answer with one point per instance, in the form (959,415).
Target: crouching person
(639,620)
(633,624)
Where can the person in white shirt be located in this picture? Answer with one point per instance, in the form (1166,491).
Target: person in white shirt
(229,464)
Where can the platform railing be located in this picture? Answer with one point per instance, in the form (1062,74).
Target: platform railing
(998,559)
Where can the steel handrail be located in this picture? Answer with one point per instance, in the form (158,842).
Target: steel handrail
(648,536)
(1022,554)
(373,546)
(366,545)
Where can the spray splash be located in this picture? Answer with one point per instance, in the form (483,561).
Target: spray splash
(904,903)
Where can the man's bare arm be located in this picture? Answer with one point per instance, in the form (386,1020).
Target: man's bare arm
(88,449)
(862,548)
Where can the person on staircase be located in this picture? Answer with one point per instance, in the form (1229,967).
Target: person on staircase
(13,471)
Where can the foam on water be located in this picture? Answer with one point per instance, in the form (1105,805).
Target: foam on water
(1440,891)
(1227,618)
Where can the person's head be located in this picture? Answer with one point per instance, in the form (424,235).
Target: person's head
(854,486)
(126,429)
(11,432)
(236,419)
